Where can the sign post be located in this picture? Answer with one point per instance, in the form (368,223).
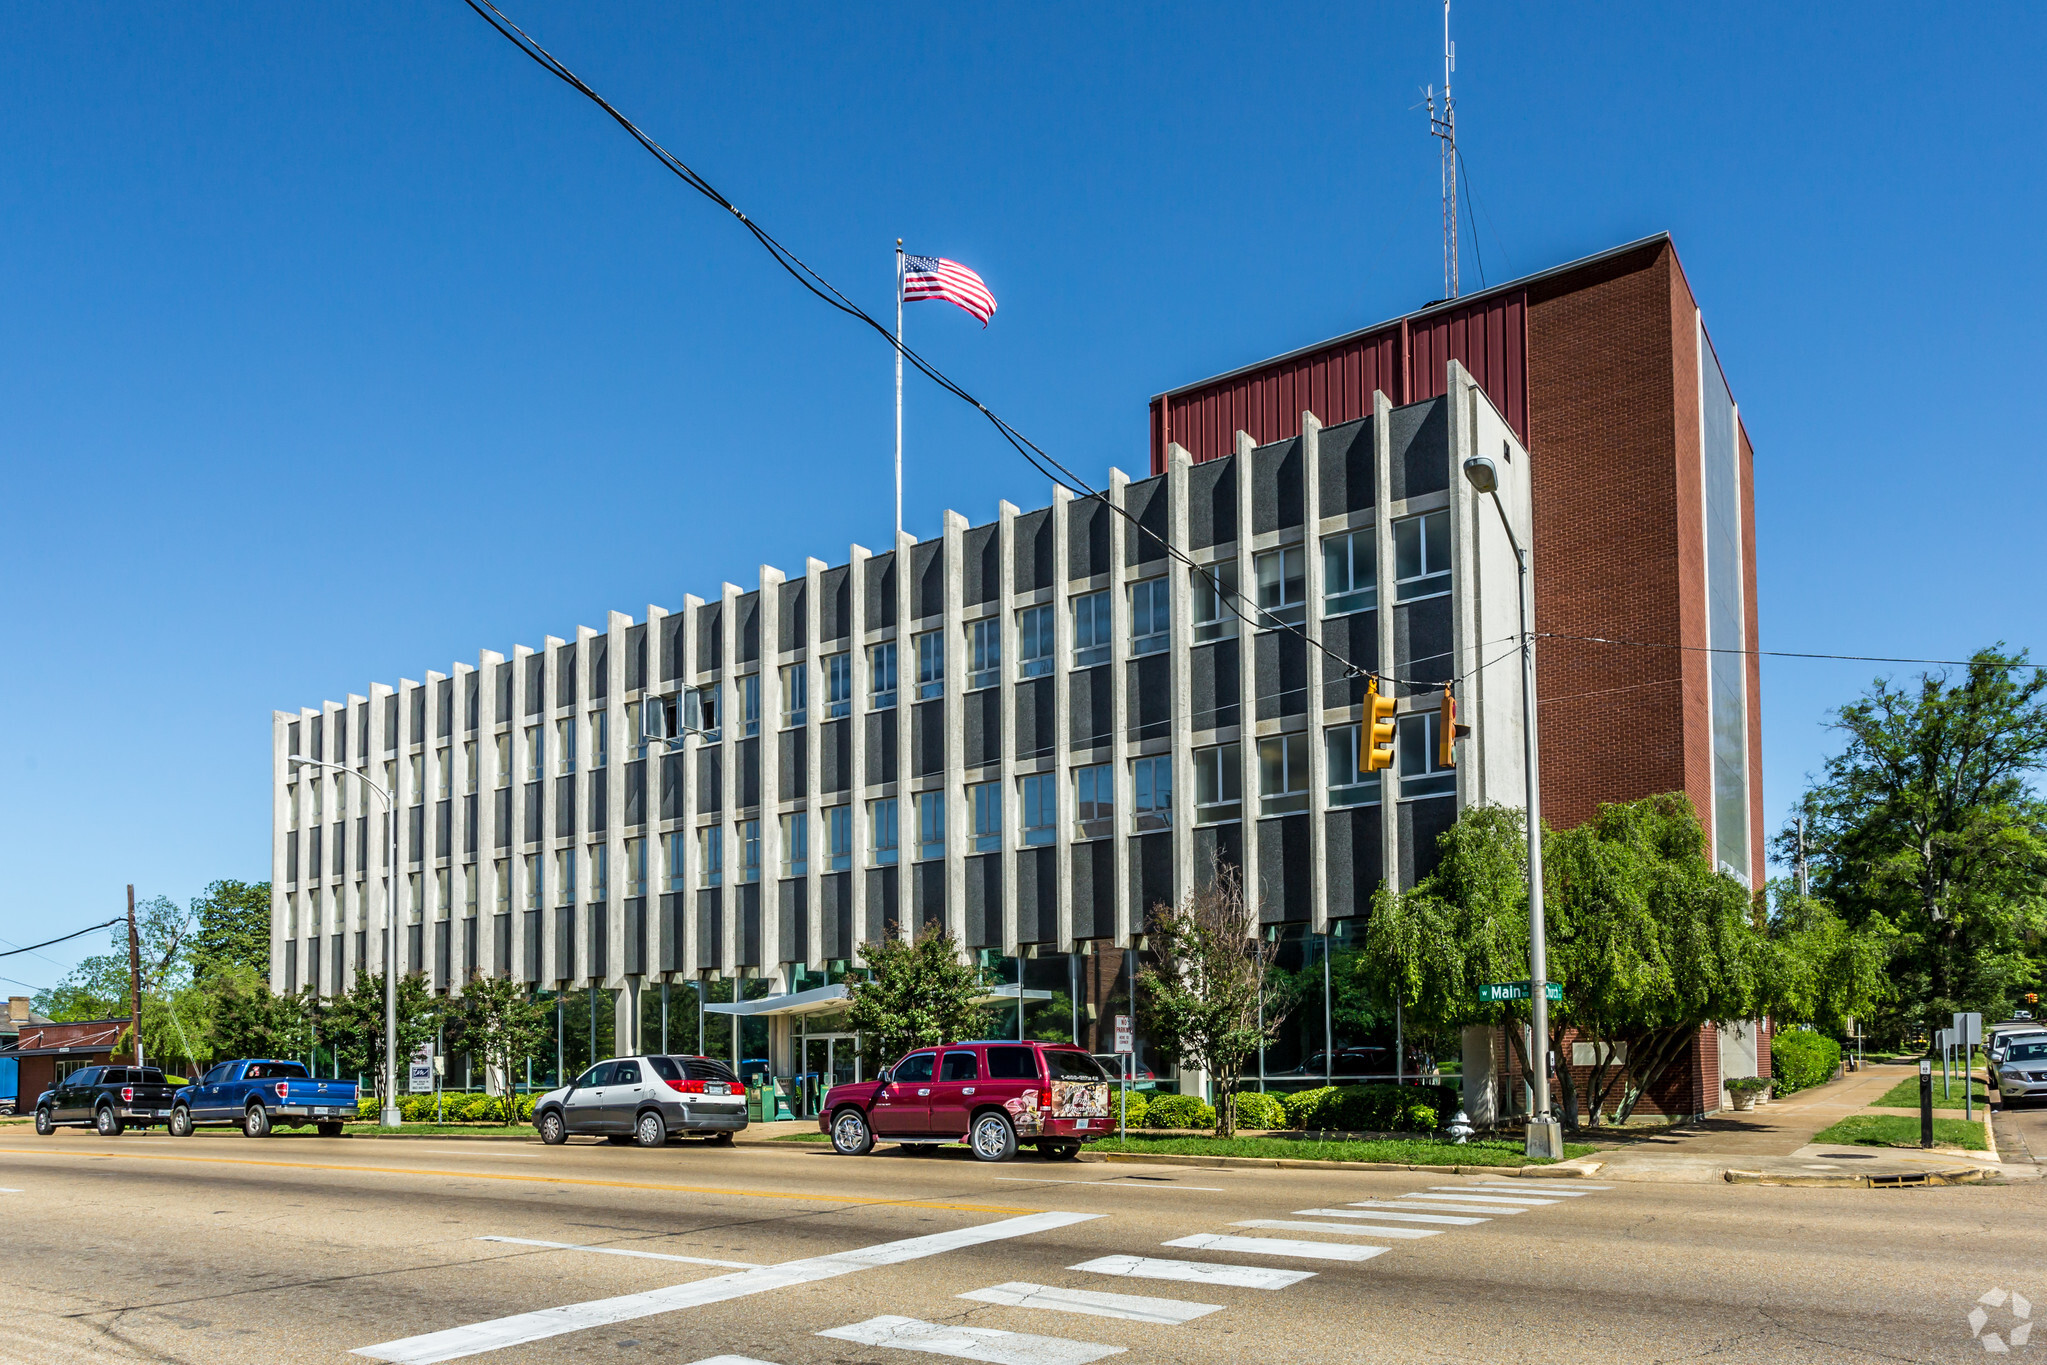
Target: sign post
(1926,1101)
(1968,1032)
(1123,1060)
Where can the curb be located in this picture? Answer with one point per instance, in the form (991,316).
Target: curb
(1559,1171)
(1952,1175)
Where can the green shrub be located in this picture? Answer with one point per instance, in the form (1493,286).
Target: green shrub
(1800,1059)
(1178,1111)
(366,1106)
(1256,1109)
(1139,1105)
(1377,1108)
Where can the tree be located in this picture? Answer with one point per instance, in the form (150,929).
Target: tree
(1926,820)
(248,1020)
(496,1021)
(1823,973)
(234,927)
(917,994)
(1200,1001)
(98,987)
(354,1023)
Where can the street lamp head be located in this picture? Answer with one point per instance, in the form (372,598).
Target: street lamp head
(1483,474)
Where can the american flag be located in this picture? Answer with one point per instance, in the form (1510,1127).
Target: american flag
(934,277)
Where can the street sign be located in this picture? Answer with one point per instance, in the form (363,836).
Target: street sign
(1123,1033)
(1498,992)
(1968,1030)
(421,1079)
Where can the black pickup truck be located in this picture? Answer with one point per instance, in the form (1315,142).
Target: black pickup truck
(108,1098)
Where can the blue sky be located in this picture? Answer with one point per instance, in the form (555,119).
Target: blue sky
(341,343)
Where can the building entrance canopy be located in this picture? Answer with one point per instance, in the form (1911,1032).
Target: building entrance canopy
(824,999)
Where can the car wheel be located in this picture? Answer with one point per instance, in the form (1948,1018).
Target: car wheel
(553,1131)
(330,1130)
(850,1134)
(106,1122)
(45,1125)
(1059,1151)
(651,1131)
(994,1137)
(181,1122)
(256,1123)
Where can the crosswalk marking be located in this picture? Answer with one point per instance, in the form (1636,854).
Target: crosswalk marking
(1484,1198)
(1134,1307)
(622,1251)
(971,1343)
(455,1342)
(1576,1191)
(1276,1246)
(1410,1201)
(1195,1272)
(1397,1214)
(1342,1229)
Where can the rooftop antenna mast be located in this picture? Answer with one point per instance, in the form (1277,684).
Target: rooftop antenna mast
(1444,127)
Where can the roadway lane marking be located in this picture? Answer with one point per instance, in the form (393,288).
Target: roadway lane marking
(1409,1201)
(621,1251)
(1547,1193)
(5,1190)
(1436,1192)
(1343,1229)
(526,1179)
(1195,1272)
(1106,1184)
(1276,1246)
(971,1343)
(1132,1307)
(456,1342)
(1397,1215)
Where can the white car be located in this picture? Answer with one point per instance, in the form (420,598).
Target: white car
(646,1100)
(2022,1070)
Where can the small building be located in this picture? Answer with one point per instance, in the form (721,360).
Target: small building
(44,1052)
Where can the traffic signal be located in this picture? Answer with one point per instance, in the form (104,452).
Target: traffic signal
(1450,733)
(1375,738)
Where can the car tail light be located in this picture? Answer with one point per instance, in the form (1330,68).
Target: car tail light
(739,1090)
(280,1088)
(127,1094)
(687,1087)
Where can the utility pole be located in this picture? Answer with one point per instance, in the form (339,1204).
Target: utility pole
(1444,128)
(134,974)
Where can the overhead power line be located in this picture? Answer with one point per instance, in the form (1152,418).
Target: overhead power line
(80,933)
(1782,653)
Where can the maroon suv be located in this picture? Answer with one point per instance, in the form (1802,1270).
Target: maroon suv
(990,1095)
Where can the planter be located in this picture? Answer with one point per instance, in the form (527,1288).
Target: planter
(1743,1099)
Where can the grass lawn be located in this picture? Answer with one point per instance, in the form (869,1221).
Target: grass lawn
(374,1129)
(1409,1151)
(1905,1094)
(1902,1130)
(805,1137)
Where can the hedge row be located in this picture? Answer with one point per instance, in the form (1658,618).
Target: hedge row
(1800,1059)
(456,1106)
(1371,1108)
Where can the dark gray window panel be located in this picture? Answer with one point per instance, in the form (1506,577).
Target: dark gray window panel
(501,939)
(1353,859)
(385,831)
(671,646)
(1149,707)
(748,605)
(927,737)
(565,943)
(1348,470)
(881,903)
(416,732)
(319,727)
(564,806)
(983,910)
(533,945)
(313,963)
(672,777)
(340,847)
(339,970)
(291,969)
(981,564)
(881,746)
(1420,437)
(600,801)
(600,667)
(1217,845)
(415,843)
(469,830)
(1037,895)
(1423,641)
(674,905)
(1277,498)
(928,891)
(315,864)
(1151,876)
(881,591)
(835,611)
(711,637)
(1356,638)
(710,930)
(565,675)
(836,915)
(415,947)
(983,714)
(1282,661)
(793,624)
(710,780)
(835,752)
(927,565)
(469,959)
(1037,726)
(1087,537)
(1034,567)
(472,701)
(362,843)
(792,919)
(749,761)
(503,674)
(291,858)
(442,966)
(362,730)
(1094,889)
(636,793)
(341,737)
(598,964)
(444,708)
(1421,824)
(792,777)
(1212,503)
(444,832)
(635,657)
(502,826)
(532,813)
(1213,691)
(1091,716)
(536,684)
(1145,542)
(1283,870)
(635,945)
(362,948)
(747,930)
(390,723)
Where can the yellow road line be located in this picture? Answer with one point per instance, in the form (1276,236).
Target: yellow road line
(529,1179)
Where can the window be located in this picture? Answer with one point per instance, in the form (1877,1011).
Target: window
(749,850)
(881,826)
(700,712)
(1282,586)
(795,695)
(565,876)
(600,872)
(750,705)
(930,665)
(444,774)
(985,670)
(796,844)
(413,900)
(600,738)
(913,1069)
(416,770)
(1218,784)
(838,686)
(930,825)
(1094,801)
(1421,734)
(565,746)
(313,911)
(1034,642)
(536,761)
(1421,556)
(1012,1064)
(985,798)
(1040,809)
(1348,786)
(1350,572)
(1150,616)
(469,768)
(533,881)
(711,856)
(501,871)
(1151,794)
(469,880)
(633,737)
(1091,630)
(881,676)
(673,846)
(635,867)
(838,823)
(1283,774)
(962,1065)
(319,787)
(505,759)
(391,779)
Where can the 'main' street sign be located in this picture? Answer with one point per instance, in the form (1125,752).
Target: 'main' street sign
(1496,992)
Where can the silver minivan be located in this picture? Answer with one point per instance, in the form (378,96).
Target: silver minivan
(645,1100)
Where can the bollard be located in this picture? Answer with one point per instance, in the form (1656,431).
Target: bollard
(1926,1101)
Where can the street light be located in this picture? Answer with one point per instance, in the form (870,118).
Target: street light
(1545,1135)
(391,1116)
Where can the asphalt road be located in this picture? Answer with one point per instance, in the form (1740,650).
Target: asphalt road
(217,1248)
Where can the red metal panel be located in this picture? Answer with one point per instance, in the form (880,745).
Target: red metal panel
(1335,383)
(1486,338)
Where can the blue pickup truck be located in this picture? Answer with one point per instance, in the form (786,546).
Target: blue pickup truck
(259,1094)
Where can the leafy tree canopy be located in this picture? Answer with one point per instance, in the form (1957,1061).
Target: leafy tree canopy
(917,993)
(234,927)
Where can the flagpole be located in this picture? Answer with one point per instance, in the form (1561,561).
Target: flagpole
(899,394)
